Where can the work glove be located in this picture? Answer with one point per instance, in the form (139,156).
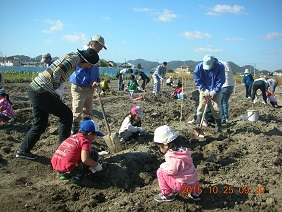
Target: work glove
(243,83)
(206,92)
(102,153)
(212,94)
(98,167)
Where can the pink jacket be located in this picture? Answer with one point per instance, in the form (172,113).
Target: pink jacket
(6,108)
(180,165)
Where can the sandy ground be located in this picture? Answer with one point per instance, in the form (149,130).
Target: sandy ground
(239,170)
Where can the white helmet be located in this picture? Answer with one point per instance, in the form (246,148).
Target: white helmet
(164,135)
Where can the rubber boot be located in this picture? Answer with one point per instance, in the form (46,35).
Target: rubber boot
(75,128)
(198,121)
(218,125)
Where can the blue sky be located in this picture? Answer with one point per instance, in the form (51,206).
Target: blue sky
(243,31)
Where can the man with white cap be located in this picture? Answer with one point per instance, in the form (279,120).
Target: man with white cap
(45,101)
(83,82)
(248,82)
(209,76)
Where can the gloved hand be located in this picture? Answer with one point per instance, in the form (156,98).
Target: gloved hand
(93,170)
(206,92)
(102,153)
(144,132)
(243,83)
(212,94)
(98,167)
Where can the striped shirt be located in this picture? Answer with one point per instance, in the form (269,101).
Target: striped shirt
(56,74)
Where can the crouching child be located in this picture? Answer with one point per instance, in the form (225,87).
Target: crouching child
(6,108)
(178,173)
(75,156)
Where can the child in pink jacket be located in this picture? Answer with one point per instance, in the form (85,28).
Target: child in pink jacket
(178,173)
(6,108)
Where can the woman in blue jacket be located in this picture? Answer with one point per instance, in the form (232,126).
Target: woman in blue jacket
(248,82)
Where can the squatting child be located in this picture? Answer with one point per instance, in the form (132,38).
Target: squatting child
(6,108)
(271,99)
(75,156)
(178,173)
(131,125)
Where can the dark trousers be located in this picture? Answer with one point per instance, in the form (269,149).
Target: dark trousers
(259,85)
(145,81)
(43,104)
(127,135)
(248,90)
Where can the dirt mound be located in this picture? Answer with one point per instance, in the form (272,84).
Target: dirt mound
(239,170)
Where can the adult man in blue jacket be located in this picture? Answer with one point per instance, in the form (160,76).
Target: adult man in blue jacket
(84,80)
(209,77)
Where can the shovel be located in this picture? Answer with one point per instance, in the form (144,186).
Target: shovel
(199,132)
(112,139)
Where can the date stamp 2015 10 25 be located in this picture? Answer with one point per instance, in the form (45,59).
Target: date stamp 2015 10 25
(224,189)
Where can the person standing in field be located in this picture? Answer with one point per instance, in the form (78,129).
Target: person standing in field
(247,81)
(226,91)
(120,76)
(83,82)
(209,76)
(45,100)
(159,76)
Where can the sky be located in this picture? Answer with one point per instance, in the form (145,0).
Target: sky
(246,32)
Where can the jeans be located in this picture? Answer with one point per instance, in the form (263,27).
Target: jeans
(225,96)
(120,83)
(43,104)
(157,84)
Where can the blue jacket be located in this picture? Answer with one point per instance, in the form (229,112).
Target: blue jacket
(212,79)
(84,77)
(248,79)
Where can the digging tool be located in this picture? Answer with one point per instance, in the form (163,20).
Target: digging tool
(112,139)
(199,132)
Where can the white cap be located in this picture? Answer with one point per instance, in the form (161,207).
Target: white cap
(100,40)
(246,71)
(207,62)
(164,135)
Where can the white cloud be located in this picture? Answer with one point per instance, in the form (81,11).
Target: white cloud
(165,16)
(224,8)
(273,36)
(196,35)
(75,38)
(208,49)
(142,9)
(233,39)
(55,26)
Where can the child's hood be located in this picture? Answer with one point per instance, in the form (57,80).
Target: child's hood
(182,154)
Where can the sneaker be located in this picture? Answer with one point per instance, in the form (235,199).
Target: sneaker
(76,178)
(195,197)
(164,197)
(26,155)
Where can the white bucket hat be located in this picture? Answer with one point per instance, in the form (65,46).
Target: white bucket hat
(164,135)
(246,71)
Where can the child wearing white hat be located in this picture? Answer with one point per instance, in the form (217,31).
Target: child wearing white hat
(178,173)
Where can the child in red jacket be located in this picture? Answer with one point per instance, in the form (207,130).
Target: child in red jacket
(75,154)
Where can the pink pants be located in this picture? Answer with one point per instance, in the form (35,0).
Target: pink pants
(169,184)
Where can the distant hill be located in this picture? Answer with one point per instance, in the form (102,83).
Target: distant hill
(150,65)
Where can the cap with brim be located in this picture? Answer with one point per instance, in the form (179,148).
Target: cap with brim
(90,56)
(44,57)
(100,40)
(164,135)
(90,126)
(246,71)
(207,62)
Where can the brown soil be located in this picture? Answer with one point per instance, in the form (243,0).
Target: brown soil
(246,154)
